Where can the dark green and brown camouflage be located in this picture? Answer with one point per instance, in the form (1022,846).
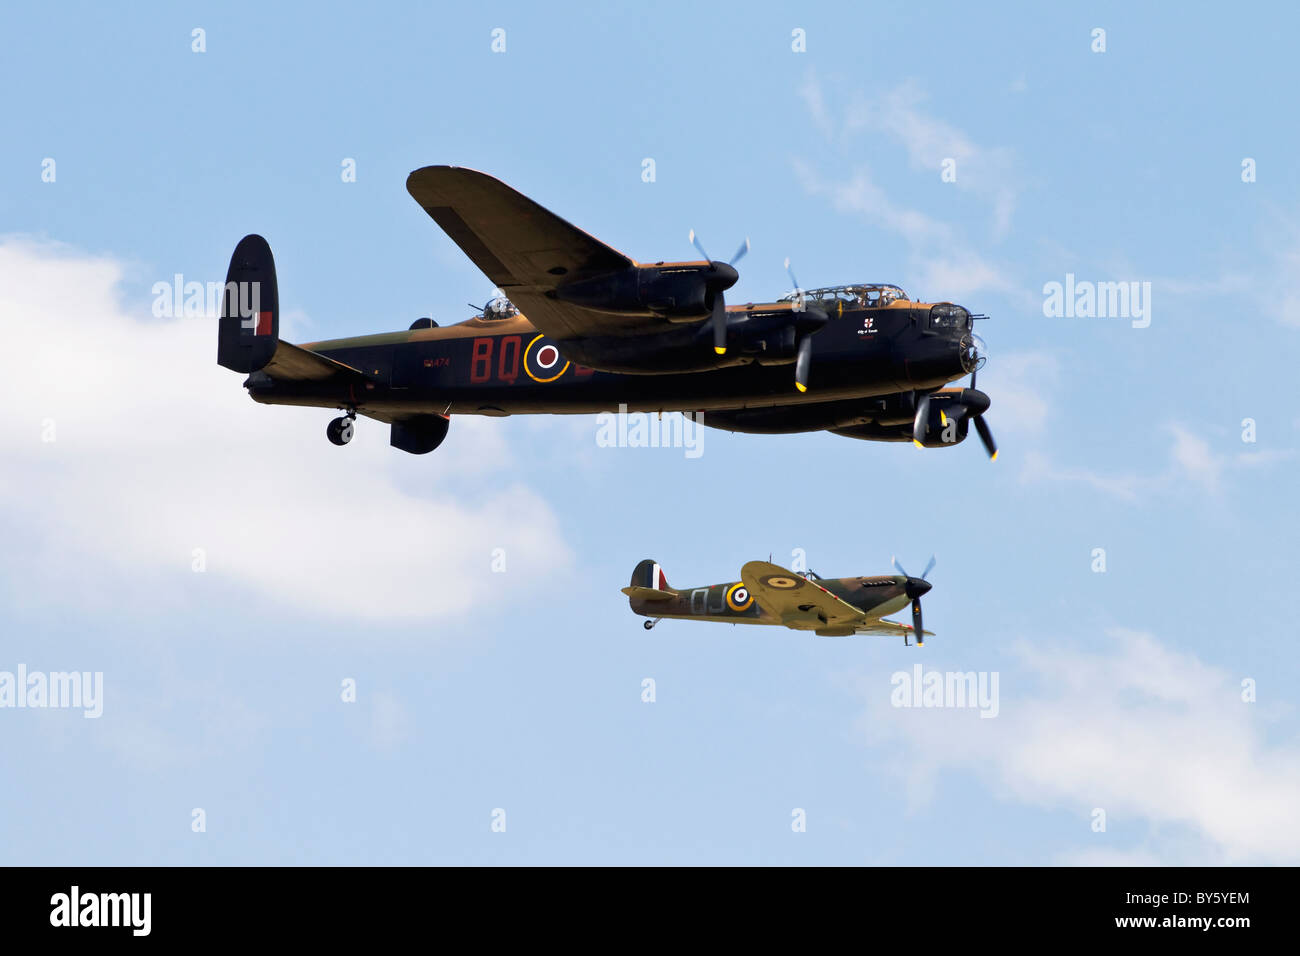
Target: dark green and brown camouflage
(863,361)
(768,594)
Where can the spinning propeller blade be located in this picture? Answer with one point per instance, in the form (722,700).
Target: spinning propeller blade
(914,588)
(922,421)
(803,363)
(986,437)
(718,312)
(793,281)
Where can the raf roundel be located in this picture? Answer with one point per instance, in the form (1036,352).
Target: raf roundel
(739,598)
(542,360)
(781,582)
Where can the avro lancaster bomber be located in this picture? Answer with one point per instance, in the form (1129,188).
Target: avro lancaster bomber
(580,328)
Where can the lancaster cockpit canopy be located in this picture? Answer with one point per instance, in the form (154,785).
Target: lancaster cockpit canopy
(867,295)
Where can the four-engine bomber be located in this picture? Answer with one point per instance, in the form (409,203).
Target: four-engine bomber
(580,328)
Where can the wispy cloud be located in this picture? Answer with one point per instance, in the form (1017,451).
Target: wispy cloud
(861,195)
(1023,381)
(1038,468)
(1132,726)
(1192,462)
(900,114)
(941,258)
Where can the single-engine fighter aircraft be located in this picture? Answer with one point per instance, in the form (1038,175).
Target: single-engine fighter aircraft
(769,594)
(580,328)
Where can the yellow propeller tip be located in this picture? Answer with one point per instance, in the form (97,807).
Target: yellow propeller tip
(719,351)
(917,443)
(802,387)
(993,457)
(942,417)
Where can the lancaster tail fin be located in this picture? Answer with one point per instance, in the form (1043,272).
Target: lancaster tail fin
(249,328)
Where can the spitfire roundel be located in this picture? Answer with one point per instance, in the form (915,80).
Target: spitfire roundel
(542,360)
(739,598)
(782,582)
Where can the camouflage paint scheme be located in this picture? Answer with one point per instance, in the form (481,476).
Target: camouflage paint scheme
(772,595)
(870,358)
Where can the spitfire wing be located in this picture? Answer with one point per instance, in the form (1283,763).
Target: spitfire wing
(795,600)
(523,248)
(890,629)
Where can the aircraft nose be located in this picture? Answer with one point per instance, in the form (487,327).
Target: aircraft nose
(917,586)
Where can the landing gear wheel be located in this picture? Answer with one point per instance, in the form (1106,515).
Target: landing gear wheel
(340,430)
(649,625)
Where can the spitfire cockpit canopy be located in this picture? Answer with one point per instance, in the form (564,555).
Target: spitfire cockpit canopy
(867,295)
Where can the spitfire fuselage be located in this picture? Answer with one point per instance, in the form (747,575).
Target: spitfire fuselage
(731,603)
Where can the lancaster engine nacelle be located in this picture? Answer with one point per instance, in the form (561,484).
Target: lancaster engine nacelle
(676,291)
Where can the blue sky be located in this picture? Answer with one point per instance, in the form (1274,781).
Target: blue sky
(522,690)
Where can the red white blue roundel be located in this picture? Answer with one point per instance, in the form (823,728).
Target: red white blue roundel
(739,598)
(543,361)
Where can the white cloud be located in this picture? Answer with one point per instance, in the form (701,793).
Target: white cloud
(158,451)
(862,196)
(959,274)
(1195,460)
(1192,461)
(929,141)
(1038,467)
(1139,729)
(1021,382)
(815,100)
(943,264)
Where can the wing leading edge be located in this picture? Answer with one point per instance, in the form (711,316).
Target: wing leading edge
(522,247)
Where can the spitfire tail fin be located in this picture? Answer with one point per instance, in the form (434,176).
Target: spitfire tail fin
(649,583)
(249,329)
(649,574)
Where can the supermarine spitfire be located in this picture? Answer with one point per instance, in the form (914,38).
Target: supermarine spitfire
(580,328)
(770,594)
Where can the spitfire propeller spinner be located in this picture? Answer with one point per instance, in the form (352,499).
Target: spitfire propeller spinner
(915,587)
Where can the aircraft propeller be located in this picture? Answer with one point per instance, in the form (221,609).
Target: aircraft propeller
(798,292)
(726,276)
(808,322)
(976,356)
(915,588)
(970,402)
